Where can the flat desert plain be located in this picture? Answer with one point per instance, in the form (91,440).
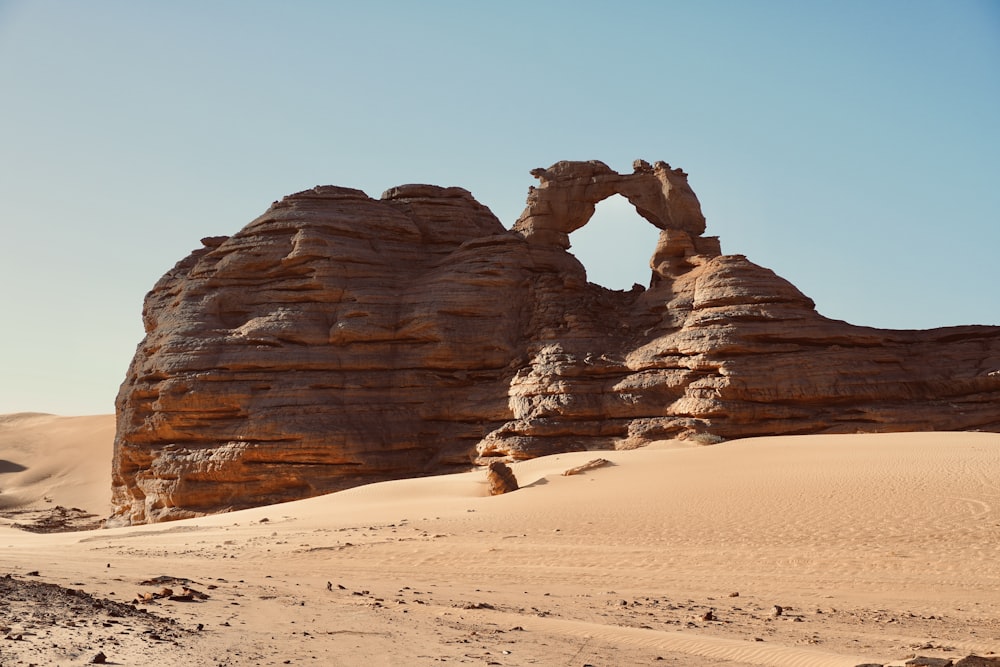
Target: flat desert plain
(818,551)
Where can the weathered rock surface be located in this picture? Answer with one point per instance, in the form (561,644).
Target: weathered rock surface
(978,661)
(500,478)
(924,661)
(338,340)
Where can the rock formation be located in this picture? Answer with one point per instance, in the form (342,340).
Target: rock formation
(500,478)
(338,340)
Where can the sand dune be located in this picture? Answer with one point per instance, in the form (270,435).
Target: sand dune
(876,548)
(48,461)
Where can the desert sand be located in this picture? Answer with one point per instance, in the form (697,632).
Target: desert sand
(876,548)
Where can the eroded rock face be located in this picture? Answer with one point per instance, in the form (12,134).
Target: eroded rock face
(338,340)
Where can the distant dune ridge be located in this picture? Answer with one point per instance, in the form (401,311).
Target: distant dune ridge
(338,340)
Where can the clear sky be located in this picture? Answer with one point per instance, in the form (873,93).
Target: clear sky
(851,146)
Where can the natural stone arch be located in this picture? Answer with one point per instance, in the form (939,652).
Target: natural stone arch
(338,340)
(568,191)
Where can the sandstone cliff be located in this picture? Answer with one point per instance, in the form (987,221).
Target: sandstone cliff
(338,340)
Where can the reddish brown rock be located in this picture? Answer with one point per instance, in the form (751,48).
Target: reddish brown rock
(978,661)
(500,478)
(338,340)
(924,661)
(592,464)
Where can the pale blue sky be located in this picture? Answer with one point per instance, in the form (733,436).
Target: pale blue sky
(851,146)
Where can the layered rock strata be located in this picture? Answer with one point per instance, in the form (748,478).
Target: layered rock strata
(339,339)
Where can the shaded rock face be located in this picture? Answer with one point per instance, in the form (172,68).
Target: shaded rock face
(338,340)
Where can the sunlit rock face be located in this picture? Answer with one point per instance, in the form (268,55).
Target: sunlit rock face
(338,340)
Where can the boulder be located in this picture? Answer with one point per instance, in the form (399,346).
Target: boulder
(500,478)
(978,661)
(924,661)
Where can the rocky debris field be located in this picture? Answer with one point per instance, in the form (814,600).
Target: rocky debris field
(46,624)
(56,519)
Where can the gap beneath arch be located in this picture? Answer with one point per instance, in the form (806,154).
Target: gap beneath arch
(615,245)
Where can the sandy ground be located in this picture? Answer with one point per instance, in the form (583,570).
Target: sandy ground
(875,547)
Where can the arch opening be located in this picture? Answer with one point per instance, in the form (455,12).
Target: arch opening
(615,245)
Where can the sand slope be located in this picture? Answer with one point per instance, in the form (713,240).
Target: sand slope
(48,461)
(875,546)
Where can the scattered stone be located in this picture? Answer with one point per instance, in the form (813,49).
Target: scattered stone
(924,661)
(500,478)
(56,519)
(195,594)
(163,580)
(589,465)
(708,616)
(186,595)
(776,611)
(478,605)
(734,594)
(35,608)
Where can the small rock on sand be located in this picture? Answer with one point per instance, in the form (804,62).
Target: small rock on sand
(924,661)
(589,465)
(500,478)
